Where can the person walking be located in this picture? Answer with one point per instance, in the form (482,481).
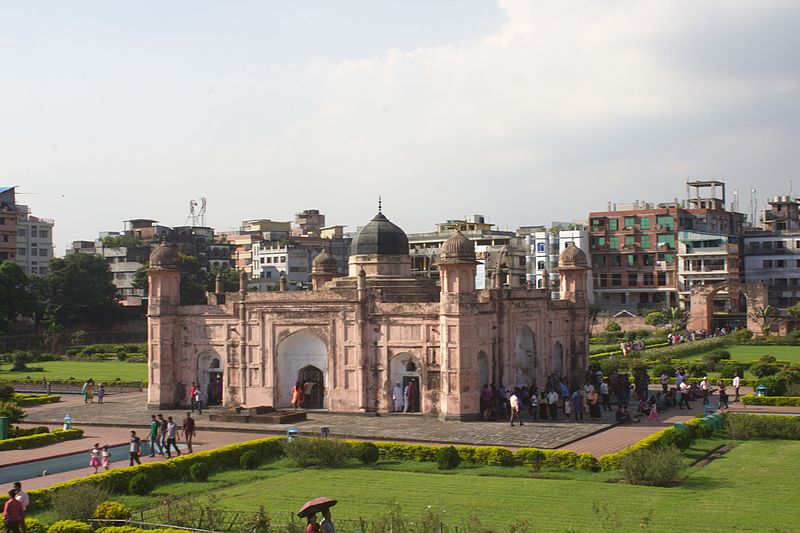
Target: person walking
(155,426)
(297,395)
(577,405)
(23,498)
(199,399)
(737,381)
(723,395)
(552,404)
(162,432)
(172,438)
(106,457)
(513,401)
(135,449)
(705,389)
(13,513)
(326,524)
(193,396)
(684,391)
(594,404)
(188,427)
(94,457)
(101,393)
(90,390)
(664,382)
(85,391)
(605,396)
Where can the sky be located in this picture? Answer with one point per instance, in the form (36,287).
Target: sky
(524,111)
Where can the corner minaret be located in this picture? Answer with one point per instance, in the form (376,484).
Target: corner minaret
(164,295)
(323,269)
(572,269)
(457,265)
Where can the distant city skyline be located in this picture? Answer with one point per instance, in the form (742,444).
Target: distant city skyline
(525,112)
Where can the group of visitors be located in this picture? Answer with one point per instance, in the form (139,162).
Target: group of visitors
(88,392)
(164,434)
(99,457)
(302,394)
(196,398)
(323,526)
(684,391)
(14,509)
(405,399)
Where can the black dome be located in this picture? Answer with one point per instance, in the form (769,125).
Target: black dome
(380,237)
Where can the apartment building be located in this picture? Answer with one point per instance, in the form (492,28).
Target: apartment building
(633,246)
(8,224)
(707,259)
(34,242)
(545,245)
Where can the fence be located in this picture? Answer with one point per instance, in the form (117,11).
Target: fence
(9,343)
(48,387)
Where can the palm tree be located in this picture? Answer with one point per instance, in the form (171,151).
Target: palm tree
(766,316)
(676,317)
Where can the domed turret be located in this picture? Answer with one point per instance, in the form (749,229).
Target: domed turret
(165,256)
(457,249)
(324,263)
(572,256)
(380,237)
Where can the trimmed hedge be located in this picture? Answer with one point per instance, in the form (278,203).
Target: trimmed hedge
(750,399)
(756,427)
(29,400)
(16,431)
(118,479)
(77,382)
(671,436)
(40,439)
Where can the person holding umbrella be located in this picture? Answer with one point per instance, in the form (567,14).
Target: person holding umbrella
(309,510)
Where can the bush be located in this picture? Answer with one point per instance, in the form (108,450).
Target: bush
(747,427)
(532,457)
(34,526)
(712,359)
(494,456)
(12,411)
(696,369)
(111,510)
(40,439)
(316,451)
(6,392)
(613,326)
(729,370)
(69,526)
(662,368)
(742,336)
(121,529)
(764,369)
(199,472)
(366,452)
(249,460)
(78,502)
(656,318)
(655,466)
(749,399)
(588,462)
(140,484)
(447,458)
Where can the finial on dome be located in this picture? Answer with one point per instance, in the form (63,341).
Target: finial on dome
(379,204)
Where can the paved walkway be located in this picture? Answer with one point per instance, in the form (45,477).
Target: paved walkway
(129,410)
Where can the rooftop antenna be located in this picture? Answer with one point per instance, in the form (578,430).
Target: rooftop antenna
(753,207)
(790,190)
(197,216)
(735,203)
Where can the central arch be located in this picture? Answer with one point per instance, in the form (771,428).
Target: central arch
(404,368)
(210,377)
(558,359)
(525,368)
(299,351)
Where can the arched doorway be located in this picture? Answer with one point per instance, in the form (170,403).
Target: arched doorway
(299,352)
(727,304)
(558,359)
(526,358)
(313,381)
(210,377)
(404,369)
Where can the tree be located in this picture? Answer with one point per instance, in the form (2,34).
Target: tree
(656,318)
(766,316)
(16,295)
(230,278)
(79,288)
(676,318)
(794,311)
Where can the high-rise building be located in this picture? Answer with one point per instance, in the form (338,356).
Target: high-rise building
(34,241)
(8,224)
(545,246)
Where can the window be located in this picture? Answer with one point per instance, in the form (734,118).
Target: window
(22,233)
(780,263)
(797,263)
(597,242)
(780,245)
(644,223)
(666,241)
(597,224)
(540,247)
(648,259)
(647,241)
(262,260)
(647,279)
(616,260)
(662,279)
(42,252)
(613,224)
(603,281)
(665,221)
(630,260)
(616,280)
(630,240)
(283,259)
(613,243)
(42,270)
(630,222)
(34,270)
(669,258)
(21,251)
(269,273)
(599,261)
(540,265)
(767,245)
(767,263)
(632,280)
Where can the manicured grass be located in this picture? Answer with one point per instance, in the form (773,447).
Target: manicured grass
(755,483)
(747,353)
(98,370)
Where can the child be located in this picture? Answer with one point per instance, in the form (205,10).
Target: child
(101,392)
(94,457)
(106,454)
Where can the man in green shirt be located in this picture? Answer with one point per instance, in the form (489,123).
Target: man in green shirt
(154,426)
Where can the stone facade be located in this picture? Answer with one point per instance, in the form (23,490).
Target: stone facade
(356,336)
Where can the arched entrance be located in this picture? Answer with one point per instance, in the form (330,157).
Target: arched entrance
(525,358)
(210,377)
(558,359)
(313,381)
(299,352)
(742,300)
(404,369)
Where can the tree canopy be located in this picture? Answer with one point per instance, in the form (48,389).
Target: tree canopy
(16,295)
(195,281)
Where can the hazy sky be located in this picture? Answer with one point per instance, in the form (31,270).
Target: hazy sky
(524,111)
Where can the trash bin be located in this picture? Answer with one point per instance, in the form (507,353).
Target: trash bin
(709,408)
(3,427)
(291,433)
(67,422)
(761,390)
(325,431)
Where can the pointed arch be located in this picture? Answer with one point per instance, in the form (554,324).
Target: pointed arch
(525,361)
(558,359)
(297,351)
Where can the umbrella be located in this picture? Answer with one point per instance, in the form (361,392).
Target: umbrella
(314,506)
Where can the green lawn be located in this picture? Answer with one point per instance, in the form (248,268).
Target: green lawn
(81,370)
(751,353)
(752,488)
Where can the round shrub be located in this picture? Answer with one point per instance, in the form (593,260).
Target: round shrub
(741,336)
(140,484)
(662,368)
(494,456)
(112,510)
(366,452)
(447,458)
(652,466)
(199,472)
(69,526)
(729,371)
(34,526)
(532,457)
(762,370)
(588,462)
(613,326)
(249,460)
